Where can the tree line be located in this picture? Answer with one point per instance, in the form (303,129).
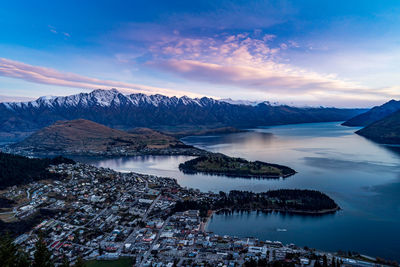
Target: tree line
(16,170)
(284,199)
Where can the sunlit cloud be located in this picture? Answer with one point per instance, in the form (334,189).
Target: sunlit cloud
(257,50)
(251,63)
(37,74)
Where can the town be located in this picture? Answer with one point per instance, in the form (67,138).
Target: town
(101,214)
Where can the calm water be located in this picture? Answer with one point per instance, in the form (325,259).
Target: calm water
(362,177)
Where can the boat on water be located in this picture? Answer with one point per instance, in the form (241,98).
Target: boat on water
(281,230)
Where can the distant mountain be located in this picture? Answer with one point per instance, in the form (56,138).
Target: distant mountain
(116,110)
(385,131)
(84,137)
(247,102)
(194,131)
(250,103)
(375,114)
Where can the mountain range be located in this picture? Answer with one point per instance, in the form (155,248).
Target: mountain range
(385,131)
(119,111)
(375,114)
(380,124)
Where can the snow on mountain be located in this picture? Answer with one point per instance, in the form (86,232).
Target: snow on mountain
(113,98)
(240,102)
(107,98)
(116,110)
(249,103)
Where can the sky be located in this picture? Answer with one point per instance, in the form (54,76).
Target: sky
(316,53)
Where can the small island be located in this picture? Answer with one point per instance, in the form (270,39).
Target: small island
(220,164)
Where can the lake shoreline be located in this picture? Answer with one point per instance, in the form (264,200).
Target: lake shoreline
(287,211)
(326,160)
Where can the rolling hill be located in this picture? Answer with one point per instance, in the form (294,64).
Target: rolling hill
(84,137)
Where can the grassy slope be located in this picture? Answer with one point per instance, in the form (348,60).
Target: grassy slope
(84,135)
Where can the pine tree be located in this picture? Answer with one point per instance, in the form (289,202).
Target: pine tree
(11,254)
(79,262)
(42,256)
(23,260)
(324,261)
(65,262)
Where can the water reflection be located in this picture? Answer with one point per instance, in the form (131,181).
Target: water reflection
(362,177)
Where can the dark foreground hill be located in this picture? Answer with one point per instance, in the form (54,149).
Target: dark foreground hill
(385,131)
(84,137)
(15,170)
(375,114)
(119,111)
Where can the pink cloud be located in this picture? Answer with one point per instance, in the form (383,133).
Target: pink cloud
(252,64)
(37,74)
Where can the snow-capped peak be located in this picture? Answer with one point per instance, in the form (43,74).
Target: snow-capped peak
(249,102)
(241,102)
(107,98)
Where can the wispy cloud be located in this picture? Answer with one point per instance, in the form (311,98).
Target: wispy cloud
(252,63)
(37,74)
(55,31)
(52,29)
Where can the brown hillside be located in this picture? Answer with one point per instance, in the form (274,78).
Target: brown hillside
(80,136)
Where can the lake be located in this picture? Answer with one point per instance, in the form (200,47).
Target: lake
(361,176)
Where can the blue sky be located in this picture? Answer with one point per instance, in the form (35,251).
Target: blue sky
(331,53)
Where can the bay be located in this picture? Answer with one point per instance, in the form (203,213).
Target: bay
(361,176)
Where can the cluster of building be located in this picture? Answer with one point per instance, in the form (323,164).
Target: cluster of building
(98,213)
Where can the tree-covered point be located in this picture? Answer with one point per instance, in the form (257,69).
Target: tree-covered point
(294,200)
(16,170)
(286,200)
(219,164)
